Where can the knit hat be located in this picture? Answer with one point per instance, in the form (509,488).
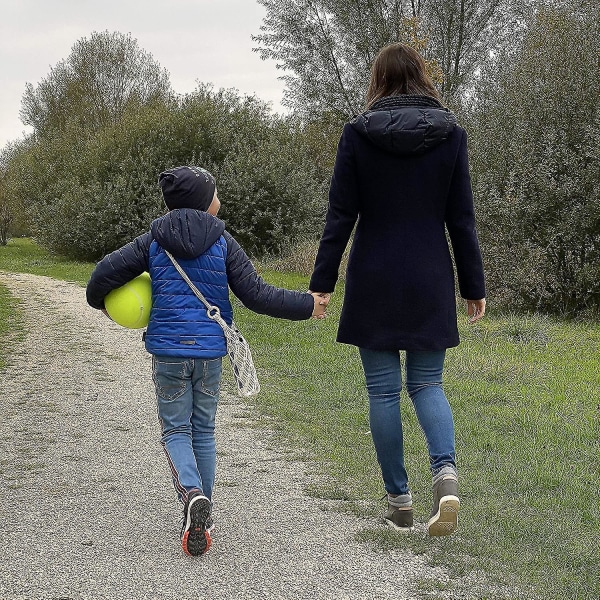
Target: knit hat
(187,187)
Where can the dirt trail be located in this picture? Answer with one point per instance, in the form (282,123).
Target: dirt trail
(86,505)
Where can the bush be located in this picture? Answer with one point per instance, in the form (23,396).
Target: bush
(299,257)
(93,191)
(536,171)
(272,193)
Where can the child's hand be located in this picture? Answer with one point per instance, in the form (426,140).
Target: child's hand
(321,301)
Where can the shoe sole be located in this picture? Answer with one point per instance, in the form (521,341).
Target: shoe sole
(398,528)
(445,521)
(196,539)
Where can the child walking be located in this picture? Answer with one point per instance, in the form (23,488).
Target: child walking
(186,345)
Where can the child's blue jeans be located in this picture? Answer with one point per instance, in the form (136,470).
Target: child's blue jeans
(424,386)
(187,392)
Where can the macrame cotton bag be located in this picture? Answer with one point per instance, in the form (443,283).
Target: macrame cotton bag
(238,348)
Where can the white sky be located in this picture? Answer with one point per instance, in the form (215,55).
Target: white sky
(194,40)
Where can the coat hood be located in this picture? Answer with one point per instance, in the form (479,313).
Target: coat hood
(187,233)
(406,124)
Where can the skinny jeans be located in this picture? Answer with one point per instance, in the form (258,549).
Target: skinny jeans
(383,374)
(187,392)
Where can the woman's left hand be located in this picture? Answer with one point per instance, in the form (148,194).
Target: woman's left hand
(475,310)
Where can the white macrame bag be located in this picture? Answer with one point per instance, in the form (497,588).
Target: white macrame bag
(238,348)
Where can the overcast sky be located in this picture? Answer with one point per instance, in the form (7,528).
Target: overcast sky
(194,40)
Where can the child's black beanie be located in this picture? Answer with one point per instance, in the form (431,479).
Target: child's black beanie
(187,187)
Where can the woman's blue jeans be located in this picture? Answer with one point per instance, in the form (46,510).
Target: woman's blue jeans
(187,392)
(424,386)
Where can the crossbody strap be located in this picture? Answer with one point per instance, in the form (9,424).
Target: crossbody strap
(213,311)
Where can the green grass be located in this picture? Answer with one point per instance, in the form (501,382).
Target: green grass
(526,398)
(23,255)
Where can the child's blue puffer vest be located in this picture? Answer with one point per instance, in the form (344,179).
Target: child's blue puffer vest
(179,325)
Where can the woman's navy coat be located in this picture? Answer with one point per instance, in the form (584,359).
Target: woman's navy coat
(402,172)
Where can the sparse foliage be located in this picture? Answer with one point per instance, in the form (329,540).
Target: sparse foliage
(102,78)
(326,47)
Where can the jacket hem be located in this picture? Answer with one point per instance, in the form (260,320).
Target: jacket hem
(406,345)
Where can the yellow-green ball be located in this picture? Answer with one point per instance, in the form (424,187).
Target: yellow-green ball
(130,305)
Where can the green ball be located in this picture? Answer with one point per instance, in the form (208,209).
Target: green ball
(130,305)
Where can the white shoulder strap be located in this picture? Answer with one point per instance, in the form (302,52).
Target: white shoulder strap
(189,282)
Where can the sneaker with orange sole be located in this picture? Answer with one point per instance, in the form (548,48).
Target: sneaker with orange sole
(197,525)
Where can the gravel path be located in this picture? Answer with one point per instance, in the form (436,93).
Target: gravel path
(86,505)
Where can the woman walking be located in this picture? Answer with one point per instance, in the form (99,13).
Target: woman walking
(402,173)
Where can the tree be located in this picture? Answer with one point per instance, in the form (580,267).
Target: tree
(106,125)
(536,164)
(326,47)
(93,191)
(12,213)
(6,214)
(461,32)
(102,78)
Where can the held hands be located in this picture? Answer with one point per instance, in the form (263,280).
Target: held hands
(475,310)
(321,301)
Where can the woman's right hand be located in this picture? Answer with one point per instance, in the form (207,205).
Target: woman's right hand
(321,301)
(475,310)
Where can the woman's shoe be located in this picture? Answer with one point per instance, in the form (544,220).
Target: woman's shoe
(444,514)
(401,519)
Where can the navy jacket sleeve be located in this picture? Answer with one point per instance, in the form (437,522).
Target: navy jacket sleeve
(117,268)
(342,213)
(259,296)
(460,222)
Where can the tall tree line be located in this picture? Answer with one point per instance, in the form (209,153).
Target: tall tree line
(522,76)
(106,123)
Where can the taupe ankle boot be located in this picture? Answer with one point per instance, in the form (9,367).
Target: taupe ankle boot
(399,513)
(444,514)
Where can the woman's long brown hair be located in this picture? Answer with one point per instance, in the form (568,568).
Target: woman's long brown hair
(399,69)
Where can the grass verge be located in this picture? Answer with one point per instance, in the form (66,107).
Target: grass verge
(525,393)
(23,255)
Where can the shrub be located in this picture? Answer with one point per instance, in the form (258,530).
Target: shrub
(536,168)
(93,191)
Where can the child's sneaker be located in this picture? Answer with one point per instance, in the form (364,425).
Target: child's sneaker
(444,513)
(195,535)
(399,513)
(210,525)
